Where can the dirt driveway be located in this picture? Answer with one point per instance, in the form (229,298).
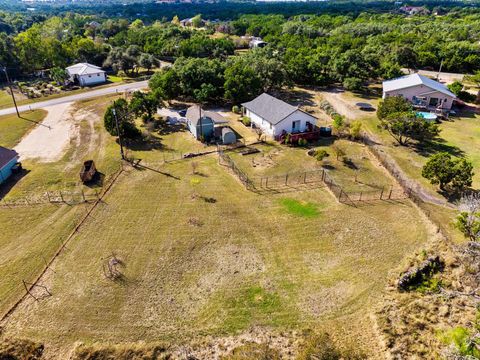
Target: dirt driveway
(49,140)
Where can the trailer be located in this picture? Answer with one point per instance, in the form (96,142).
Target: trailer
(88,171)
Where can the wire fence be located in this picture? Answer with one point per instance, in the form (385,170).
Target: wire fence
(312,178)
(68,197)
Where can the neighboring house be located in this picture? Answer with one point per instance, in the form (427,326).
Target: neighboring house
(86,74)
(421,91)
(256,42)
(276,117)
(8,159)
(189,22)
(414,10)
(202,123)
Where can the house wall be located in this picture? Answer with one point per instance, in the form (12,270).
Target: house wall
(86,80)
(410,92)
(6,171)
(284,125)
(207,126)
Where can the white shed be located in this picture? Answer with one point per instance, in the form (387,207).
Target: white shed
(275,116)
(86,74)
(421,91)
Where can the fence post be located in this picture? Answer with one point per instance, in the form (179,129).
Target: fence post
(340,195)
(381,194)
(61,196)
(83,196)
(390,194)
(266,182)
(360,198)
(305,177)
(286,179)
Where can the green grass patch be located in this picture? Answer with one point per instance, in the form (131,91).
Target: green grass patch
(13,128)
(252,305)
(300,208)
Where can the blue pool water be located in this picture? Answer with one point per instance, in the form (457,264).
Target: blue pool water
(427,115)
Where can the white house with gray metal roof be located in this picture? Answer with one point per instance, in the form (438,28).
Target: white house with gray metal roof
(86,74)
(421,91)
(275,116)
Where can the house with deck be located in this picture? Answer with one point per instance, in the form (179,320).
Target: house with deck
(86,74)
(8,161)
(421,91)
(276,117)
(202,123)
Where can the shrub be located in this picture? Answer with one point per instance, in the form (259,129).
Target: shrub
(246,121)
(466,96)
(236,109)
(302,142)
(355,128)
(321,154)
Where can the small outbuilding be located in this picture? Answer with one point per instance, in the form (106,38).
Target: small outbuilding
(228,136)
(8,161)
(202,123)
(85,74)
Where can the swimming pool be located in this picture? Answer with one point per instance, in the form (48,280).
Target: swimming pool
(427,116)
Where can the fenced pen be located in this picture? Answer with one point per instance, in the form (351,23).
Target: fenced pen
(227,161)
(308,179)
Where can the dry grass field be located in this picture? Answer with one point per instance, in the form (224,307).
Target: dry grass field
(200,255)
(198,258)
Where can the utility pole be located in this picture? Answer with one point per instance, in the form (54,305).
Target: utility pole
(118,132)
(11,90)
(200,121)
(439,70)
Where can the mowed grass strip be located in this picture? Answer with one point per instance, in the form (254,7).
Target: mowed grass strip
(13,128)
(193,266)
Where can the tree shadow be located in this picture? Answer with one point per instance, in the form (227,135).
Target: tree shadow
(439,145)
(144,144)
(167,129)
(298,97)
(10,183)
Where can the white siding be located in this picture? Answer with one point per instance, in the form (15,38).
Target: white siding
(418,90)
(91,79)
(284,125)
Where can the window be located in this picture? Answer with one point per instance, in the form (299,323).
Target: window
(98,74)
(89,76)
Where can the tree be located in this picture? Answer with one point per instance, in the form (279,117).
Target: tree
(391,105)
(441,169)
(144,105)
(176,21)
(468,220)
(59,75)
(124,117)
(242,83)
(148,61)
(197,21)
(405,126)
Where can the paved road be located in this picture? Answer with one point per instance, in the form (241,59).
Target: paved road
(76,97)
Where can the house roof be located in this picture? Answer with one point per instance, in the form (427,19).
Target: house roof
(193,114)
(84,69)
(270,108)
(414,80)
(6,155)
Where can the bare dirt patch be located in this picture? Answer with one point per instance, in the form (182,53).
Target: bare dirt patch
(48,141)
